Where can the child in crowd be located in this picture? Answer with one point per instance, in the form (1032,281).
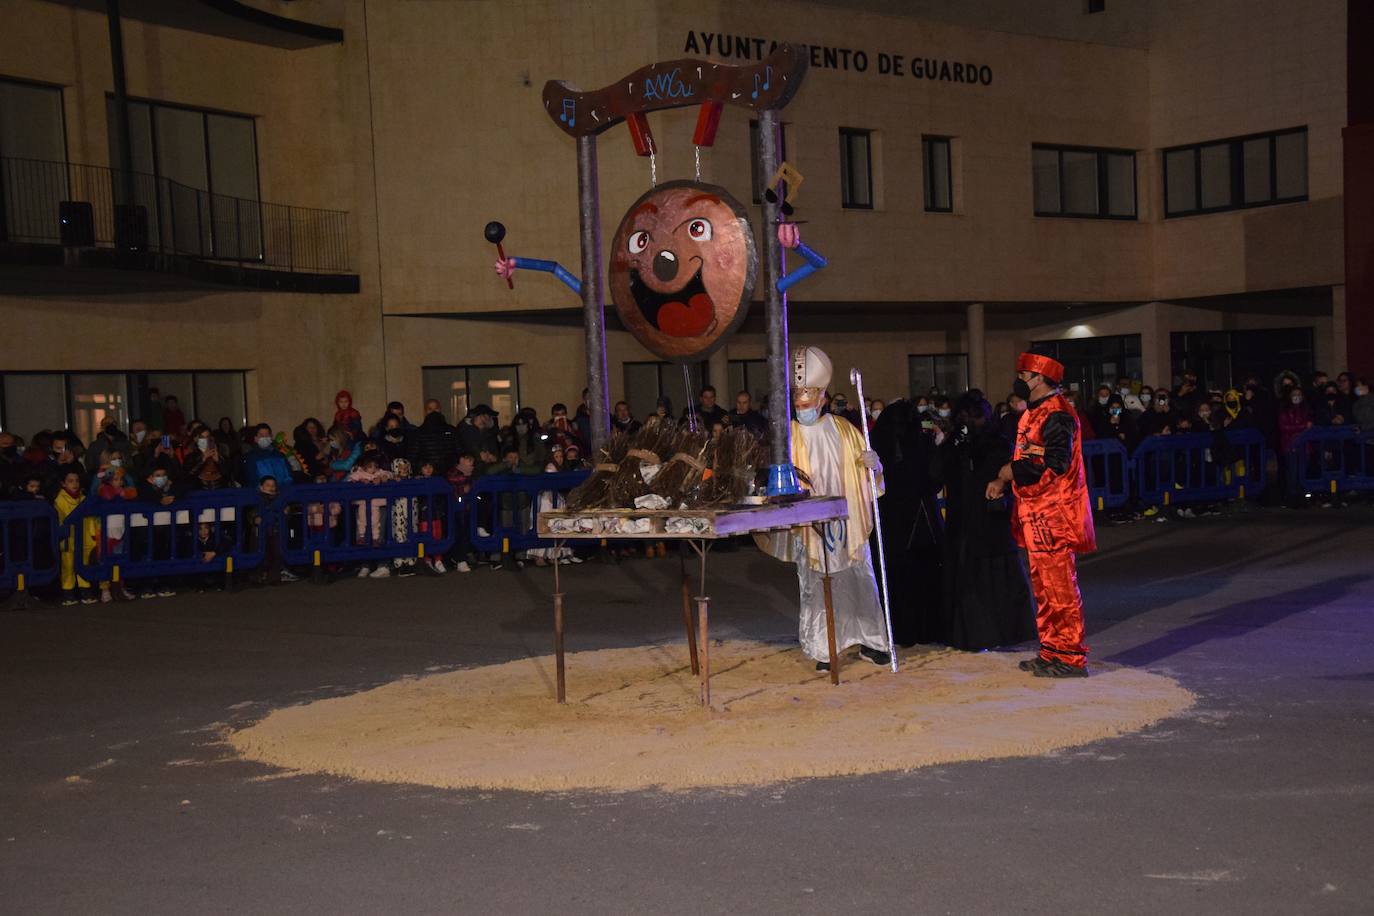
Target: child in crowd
(113,484)
(369,517)
(68,498)
(404,514)
(346,417)
(431,520)
(460,478)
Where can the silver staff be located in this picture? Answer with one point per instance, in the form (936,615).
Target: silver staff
(857,379)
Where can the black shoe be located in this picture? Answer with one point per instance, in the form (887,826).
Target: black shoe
(1032,664)
(881,659)
(1057,668)
(822,666)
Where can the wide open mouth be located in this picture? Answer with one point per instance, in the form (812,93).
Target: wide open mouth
(685,312)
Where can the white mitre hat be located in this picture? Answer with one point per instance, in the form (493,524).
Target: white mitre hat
(810,368)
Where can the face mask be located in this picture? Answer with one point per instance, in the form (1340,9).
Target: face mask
(875,413)
(160,482)
(1146,398)
(1116,411)
(1204,415)
(1123,391)
(202,444)
(1103,399)
(116,462)
(1162,405)
(139,435)
(943,412)
(393,437)
(264,441)
(841,406)
(1297,399)
(808,415)
(1021,388)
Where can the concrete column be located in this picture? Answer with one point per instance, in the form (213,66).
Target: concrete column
(977,348)
(718,368)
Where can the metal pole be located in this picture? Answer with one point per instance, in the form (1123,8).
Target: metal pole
(857,379)
(782,477)
(593,301)
(123,140)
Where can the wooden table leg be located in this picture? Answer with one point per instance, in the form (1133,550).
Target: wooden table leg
(703,616)
(687,618)
(830,629)
(558,628)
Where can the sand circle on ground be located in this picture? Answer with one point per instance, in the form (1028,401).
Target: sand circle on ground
(633,720)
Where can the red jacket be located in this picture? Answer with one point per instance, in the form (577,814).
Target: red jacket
(1052,506)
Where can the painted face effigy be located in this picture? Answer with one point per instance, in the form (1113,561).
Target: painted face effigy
(683,267)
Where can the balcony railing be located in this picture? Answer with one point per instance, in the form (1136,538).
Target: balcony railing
(46,203)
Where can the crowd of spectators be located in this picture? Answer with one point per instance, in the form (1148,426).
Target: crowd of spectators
(165,454)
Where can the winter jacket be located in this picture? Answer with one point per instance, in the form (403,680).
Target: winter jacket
(435,442)
(265,462)
(1293,420)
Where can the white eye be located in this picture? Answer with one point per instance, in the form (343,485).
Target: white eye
(700,229)
(638,242)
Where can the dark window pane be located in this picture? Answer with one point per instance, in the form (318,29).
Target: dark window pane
(1255,154)
(1045,169)
(1080,182)
(1120,184)
(937,174)
(1181,177)
(856,182)
(1216,175)
(1291,160)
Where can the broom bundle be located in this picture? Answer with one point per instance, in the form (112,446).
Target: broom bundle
(684,468)
(734,464)
(648,449)
(594,492)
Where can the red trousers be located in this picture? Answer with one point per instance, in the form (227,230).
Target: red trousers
(1058,606)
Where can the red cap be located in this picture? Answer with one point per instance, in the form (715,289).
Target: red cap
(1034,362)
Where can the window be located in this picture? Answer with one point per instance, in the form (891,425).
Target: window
(1224,359)
(749,375)
(206,198)
(460,388)
(935,161)
(1252,171)
(1090,361)
(646,382)
(1083,182)
(33,172)
(80,401)
(757,181)
(856,169)
(1097,6)
(946,372)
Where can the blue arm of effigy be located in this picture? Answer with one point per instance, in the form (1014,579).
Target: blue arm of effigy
(814,262)
(552,267)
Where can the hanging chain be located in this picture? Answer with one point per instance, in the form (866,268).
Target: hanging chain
(691,407)
(653,165)
(696,152)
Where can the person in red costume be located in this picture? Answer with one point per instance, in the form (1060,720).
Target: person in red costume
(1053,517)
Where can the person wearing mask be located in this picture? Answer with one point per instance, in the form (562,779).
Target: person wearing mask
(830,453)
(1332,408)
(528,443)
(1363,409)
(264,460)
(1189,394)
(369,522)
(155,489)
(1052,516)
(560,429)
(110,438)
(987,601)
(839,406)
(477,435)
(74,588)
(67,455)
(1295,417)
(392,439)
(1147,398)
(1119,424)
(204,465)
(1097,410)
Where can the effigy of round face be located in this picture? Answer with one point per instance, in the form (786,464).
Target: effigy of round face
(682,271)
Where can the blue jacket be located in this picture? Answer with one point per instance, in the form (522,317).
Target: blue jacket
(265,462)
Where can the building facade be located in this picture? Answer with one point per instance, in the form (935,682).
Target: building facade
(1152,187)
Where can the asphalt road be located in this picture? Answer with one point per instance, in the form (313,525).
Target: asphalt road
(117,797)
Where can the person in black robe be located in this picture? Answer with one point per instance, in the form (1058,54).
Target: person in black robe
(911,523)
(986,598)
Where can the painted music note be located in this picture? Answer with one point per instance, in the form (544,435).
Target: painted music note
(569,115)
(767,79)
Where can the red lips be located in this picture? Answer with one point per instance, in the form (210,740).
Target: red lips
(690,320)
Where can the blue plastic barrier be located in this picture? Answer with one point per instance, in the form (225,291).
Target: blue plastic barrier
(1107,466)
(28,546)
(326,523)
(1331,459)
(136,540)
(505,505)
(1187,468)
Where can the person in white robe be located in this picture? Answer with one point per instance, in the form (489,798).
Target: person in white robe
(829,455)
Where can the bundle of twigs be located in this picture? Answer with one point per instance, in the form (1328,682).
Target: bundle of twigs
(652,445)
(594,492)
(688,460)
(734,462)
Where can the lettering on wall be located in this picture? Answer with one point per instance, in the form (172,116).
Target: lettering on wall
(823,57)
